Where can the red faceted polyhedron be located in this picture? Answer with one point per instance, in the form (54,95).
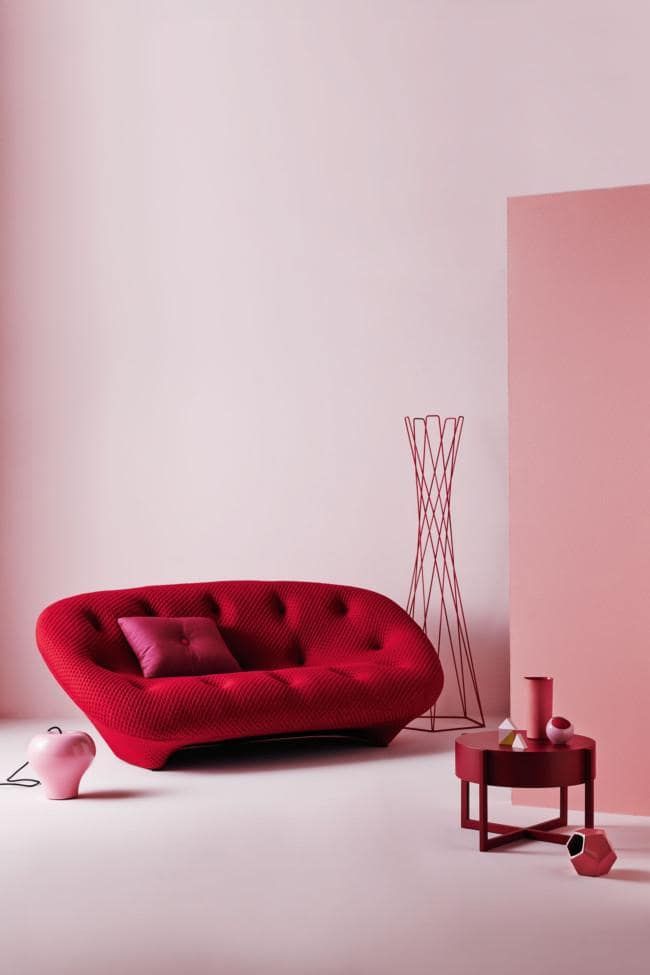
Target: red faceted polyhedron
(590,852)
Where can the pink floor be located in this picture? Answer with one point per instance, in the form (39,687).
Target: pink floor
(300,860)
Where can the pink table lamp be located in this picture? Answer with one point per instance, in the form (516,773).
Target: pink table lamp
(59,760)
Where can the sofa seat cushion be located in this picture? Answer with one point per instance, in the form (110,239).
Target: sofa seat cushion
(247,703)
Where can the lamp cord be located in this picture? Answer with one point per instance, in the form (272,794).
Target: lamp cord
(27,783)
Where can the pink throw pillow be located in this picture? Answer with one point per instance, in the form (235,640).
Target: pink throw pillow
(181,646)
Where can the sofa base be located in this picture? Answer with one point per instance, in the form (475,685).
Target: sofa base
(154,755)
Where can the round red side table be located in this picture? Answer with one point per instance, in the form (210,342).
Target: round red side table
(480,759)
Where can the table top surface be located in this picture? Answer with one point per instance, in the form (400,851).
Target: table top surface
(489,741)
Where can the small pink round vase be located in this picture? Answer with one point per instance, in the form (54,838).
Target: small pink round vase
(60,760)
(559,730)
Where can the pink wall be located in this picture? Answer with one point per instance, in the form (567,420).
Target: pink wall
(258,234)
(236,254)
(579,311)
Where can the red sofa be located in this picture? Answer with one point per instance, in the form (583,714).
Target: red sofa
(316,658)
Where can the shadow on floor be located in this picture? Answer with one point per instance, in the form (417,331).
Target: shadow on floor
(121,794)
(272,755)
(631,875)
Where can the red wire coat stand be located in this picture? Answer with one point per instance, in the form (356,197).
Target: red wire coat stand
(434,597)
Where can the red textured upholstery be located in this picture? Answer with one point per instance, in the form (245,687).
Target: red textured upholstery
(315,658)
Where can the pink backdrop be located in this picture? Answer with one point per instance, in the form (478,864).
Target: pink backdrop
(234,253)
(579,314)
(261,233)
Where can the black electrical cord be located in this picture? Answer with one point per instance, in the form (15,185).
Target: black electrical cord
(27,783)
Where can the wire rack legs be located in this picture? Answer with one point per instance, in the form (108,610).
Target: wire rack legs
(434,597)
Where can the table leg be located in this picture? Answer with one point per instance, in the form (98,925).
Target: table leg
(483,808)
(464,802)
(564,805)
(589,792)
(589,803)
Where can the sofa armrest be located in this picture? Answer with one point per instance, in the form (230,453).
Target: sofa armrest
(406,645)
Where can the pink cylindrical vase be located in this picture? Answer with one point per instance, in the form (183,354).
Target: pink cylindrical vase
(539,705)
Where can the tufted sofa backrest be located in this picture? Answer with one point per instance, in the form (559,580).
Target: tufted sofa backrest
(267,625)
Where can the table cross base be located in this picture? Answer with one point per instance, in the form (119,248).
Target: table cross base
(511,834)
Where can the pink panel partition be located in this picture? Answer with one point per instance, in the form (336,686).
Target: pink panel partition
(579,332)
